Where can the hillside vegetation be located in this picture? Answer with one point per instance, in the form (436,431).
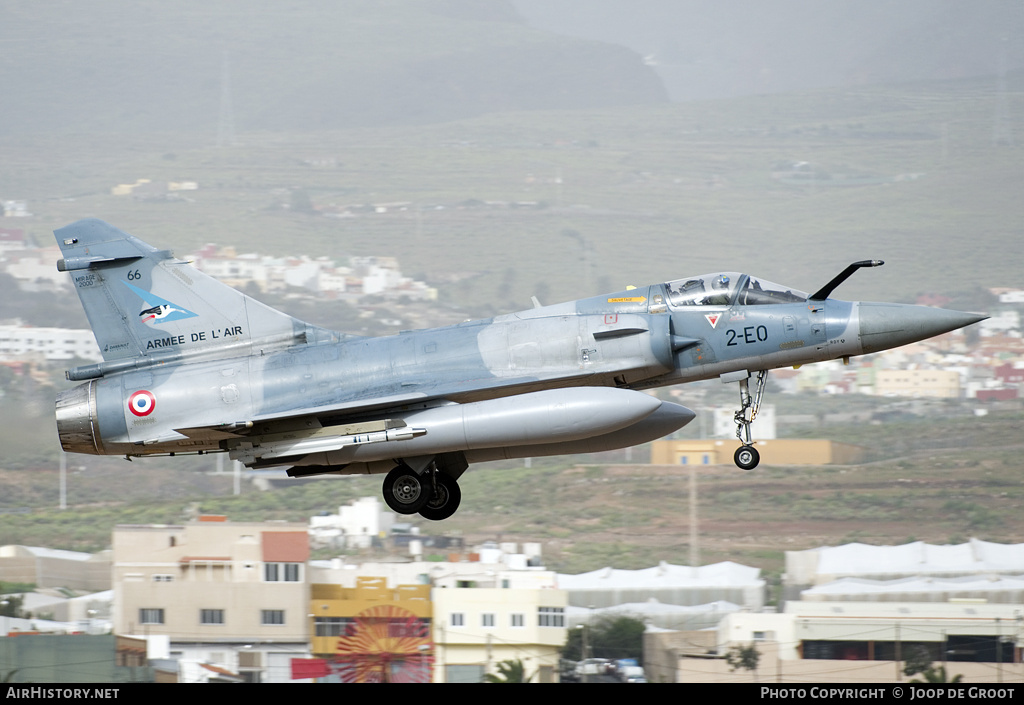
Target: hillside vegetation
(592,511)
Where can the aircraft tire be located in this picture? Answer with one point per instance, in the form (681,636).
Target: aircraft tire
(405,491)
(445,500)
(747,457)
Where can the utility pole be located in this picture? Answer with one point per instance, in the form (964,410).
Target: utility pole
(226,123)
(694,539)
(899,671)
(63,480)
(999,652)
(1002,126)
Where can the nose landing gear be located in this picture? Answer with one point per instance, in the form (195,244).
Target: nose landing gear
(746,456)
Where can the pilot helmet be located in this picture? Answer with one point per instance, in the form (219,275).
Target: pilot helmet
(721,282)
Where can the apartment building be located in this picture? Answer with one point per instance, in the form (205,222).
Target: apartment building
(232,597)
(477,628)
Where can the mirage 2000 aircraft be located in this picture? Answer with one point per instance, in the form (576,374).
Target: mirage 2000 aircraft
(191,365)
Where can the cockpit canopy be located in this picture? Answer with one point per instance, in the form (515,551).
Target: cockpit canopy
(729,289)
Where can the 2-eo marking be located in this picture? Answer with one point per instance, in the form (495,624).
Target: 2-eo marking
(749,334)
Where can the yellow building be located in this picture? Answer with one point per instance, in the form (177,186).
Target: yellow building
(934,384)
(128,189)
(478,628)
(420,633)
(371,633)
(717,451)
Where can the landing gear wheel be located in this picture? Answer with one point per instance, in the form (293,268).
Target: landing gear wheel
(405,491)
(445,499)
(747,457)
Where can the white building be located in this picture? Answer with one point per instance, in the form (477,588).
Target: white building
(34,269)
(354,526)
(1012,297)
(763,428)
(868,631)
(15,209)
(378,276)
(25,342)
(1006,322)
(496,567)
(847,643)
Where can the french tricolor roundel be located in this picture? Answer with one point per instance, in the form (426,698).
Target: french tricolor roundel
(142,403)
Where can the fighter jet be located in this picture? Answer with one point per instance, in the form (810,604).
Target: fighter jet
(191,365)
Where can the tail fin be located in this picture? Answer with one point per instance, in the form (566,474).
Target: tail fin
(145,303)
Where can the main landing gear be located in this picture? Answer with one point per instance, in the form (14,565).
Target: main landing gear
(432,494)
(746,456)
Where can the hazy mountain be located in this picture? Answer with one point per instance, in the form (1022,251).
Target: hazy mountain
(713,49)
(125,65)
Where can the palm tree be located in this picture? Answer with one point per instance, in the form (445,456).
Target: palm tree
(744,657)
(920,661)
(938,675)
(511,670)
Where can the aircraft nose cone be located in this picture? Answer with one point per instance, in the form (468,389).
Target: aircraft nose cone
(884,326)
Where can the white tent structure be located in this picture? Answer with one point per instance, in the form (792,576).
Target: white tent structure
(667,583)
(988,589)
(818,566)
(657,614)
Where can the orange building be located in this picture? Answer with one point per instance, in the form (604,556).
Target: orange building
(718,451)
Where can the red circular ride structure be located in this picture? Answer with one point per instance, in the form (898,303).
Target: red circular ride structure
(385,644)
